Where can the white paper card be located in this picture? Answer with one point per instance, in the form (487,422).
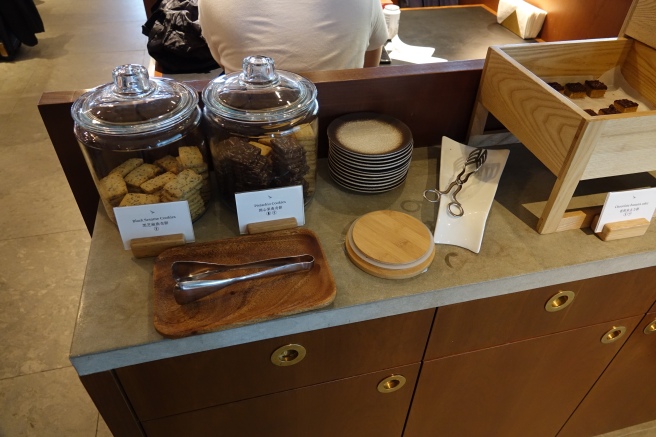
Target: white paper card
(154,220)
(627,205)
(401,51)
(268,205)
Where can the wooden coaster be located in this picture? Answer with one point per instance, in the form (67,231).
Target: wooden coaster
(391,237)
(388,273)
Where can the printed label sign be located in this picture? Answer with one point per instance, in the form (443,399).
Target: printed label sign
(627,205)
(154,220)
(268,205)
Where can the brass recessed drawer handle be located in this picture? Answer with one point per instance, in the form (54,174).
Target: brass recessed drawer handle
(288,355)
(391,384)
(615,333)
(559,301)
(651,328)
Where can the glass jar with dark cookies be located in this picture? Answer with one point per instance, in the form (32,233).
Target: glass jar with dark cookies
(143,142)
(262,129)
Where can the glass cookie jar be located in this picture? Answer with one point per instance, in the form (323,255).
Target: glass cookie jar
(262,129)
(142,141)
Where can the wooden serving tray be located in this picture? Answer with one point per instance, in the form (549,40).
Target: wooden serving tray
(249,301)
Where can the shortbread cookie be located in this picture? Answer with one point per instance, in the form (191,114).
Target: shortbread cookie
(190,157)
(127,166)
(134,199)
(157,183)
(141,174)
(184,183)
(112,187)
(169,164)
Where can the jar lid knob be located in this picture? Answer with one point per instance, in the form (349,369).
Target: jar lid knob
(131,79)
(258,70)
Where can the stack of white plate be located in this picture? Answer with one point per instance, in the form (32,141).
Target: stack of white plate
(369,153)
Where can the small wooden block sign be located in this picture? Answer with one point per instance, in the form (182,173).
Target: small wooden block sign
(277,205)
(153,246)
(625,229)
(272,225)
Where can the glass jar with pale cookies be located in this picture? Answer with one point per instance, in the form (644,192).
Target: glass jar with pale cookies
(142,140)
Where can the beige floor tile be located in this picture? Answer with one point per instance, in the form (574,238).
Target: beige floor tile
(40,283)
(7,105)
(15,77)
(647,429)
(62,39)
(75,12)
(47,404)
(23,125)
(36,198)
(79,71)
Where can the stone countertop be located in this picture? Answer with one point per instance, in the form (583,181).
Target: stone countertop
(115,321)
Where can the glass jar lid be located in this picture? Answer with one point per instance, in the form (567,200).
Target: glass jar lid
(135,104)
(260,94)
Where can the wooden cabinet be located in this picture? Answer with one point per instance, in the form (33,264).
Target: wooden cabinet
(511,365)
(489,322)
(191,382)
(624,395)
(519,364)
(525,388)
(351,407)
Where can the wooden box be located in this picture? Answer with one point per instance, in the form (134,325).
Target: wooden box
(571,143)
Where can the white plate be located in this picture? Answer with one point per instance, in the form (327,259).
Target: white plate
(374,160)
(369,165)
(476,196)
(367,189)
(380,133)
(371,182)
(348,172)
(370,158)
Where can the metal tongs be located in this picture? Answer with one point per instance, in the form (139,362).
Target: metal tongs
(474,162)
(190,285)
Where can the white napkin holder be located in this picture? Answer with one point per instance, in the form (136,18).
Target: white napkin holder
(521,18)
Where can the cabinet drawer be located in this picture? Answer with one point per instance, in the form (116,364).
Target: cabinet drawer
(527,388)
(498,320)
(351,407)
(624,395)
(190,382)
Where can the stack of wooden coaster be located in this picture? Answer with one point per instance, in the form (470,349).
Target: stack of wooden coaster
(390,244)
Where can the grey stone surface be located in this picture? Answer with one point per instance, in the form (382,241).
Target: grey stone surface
(115,323)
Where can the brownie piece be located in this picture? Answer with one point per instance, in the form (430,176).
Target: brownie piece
(575,90)
(240,167)
(595,88)
(608,111)
(590,112)
(625,105)
(289,162)
(558,87)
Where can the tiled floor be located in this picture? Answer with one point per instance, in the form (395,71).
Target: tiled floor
(44,243)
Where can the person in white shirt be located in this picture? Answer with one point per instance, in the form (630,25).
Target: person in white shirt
(300,35)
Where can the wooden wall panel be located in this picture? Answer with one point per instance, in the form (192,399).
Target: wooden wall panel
(571,20)
(432,99)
